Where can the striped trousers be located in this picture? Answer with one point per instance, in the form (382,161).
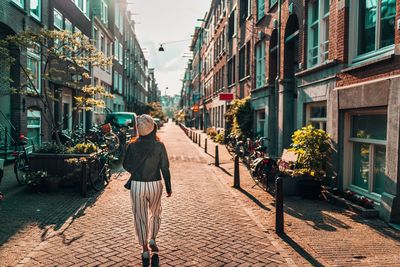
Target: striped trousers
(146,196)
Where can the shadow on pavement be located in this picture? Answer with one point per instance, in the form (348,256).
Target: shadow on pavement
(301,251)
(49,211)
(254,199)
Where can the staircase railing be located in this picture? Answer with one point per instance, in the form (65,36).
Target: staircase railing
(5,136)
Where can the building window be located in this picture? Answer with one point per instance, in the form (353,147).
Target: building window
(120,84)
(121,54)
(242,63)
(104,12)
(318,32)
(260,9)
(36,9)
(374,24)
(20,3)
(260,123)
(33,66)
(260,64)
(116,81)
(83,5)
(245,10)
(316,115)
(34,126)
(368,151)
(68,26)
(272,3)
(58,19)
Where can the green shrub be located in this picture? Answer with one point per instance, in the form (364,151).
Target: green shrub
(220,137)
(239,119)
(313,148)
(51,148)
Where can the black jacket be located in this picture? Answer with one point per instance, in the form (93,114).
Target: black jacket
(145,159)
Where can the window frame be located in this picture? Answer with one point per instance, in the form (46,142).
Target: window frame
(61,27)
(354,56)
(36,56)
(348,168)
(260,9)
(320,120)
(36,16)
(319,25)
(260,61)
(19,3)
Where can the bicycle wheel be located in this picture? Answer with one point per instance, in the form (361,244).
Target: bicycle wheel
(100,176)
(270,172)
(113,144)
(21,169)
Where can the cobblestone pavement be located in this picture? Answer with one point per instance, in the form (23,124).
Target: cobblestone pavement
(323,234)
(205,223)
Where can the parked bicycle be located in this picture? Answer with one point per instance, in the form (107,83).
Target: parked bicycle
(101,166)
(21,163)
(263,168)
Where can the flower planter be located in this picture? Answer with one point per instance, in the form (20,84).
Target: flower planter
(290,185)
(337,200)
(309,188)
(57,165)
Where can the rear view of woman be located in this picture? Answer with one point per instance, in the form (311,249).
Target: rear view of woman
(146,158)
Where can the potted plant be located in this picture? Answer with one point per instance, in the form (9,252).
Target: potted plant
(313,148)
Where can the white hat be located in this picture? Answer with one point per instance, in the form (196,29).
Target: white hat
(145,124)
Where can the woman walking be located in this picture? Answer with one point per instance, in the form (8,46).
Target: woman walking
(145,158)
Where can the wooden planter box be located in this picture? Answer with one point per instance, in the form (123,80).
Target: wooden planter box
(290,186)
(56,165)
(337,200)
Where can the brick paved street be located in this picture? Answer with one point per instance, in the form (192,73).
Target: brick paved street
(204,224)
(325,235)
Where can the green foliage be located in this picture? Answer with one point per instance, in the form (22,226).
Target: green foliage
(240,119)
(220,137)
(313,148)
(83,148)
(51,148)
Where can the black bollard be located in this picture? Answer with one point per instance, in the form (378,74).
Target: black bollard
(199,140)
(236,173)
(205,146)
(216,156)
(84,179)
(195,138)
(279,220)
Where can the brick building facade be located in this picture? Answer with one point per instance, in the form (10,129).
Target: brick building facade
(330,63)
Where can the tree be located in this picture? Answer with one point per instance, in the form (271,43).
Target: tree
(63,54)
(156,111)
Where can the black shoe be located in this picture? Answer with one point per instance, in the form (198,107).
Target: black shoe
(145,259)
(155,260)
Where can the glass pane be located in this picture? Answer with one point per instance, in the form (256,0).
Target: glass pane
(367,26)
(379,169)
(35,7)
(315,9)
(369,126)
(34,135)
(318,112)
(361,165)
(326,6)
(388,13)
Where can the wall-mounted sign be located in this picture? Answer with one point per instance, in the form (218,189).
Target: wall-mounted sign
(195,108)
(226,96)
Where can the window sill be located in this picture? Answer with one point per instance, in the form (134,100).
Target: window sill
(244,79)
(19,7)
(37,19)
(316,68)
(373,196)
(371,61)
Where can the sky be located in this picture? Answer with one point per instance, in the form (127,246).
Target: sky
(163,21)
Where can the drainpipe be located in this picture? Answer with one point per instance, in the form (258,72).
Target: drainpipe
(278,76)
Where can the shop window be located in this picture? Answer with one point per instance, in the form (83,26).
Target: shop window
(260,64)
(316,115)
(374,24)
(318,32)
(368,146)
(36,9)
(34,127)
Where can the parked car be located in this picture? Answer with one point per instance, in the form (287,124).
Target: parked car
(158,122)
(122,120)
